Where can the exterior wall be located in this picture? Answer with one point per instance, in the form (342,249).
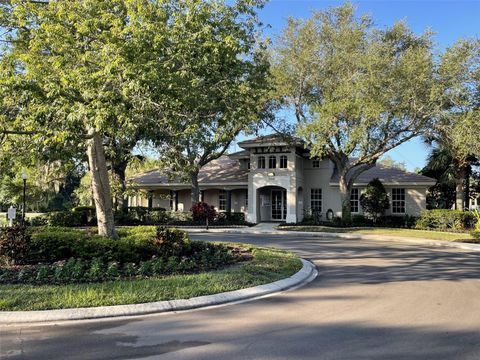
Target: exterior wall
(285,178)
(415,200)
(161,198)
(297,179)
(319,178)
(184,200)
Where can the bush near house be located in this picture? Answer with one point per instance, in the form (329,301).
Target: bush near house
(135,216)
(443,219)
(63,255)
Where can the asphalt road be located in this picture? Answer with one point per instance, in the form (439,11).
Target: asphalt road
(371,300)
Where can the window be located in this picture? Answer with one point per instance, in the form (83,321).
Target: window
(316,163)
(316,200)
(283,161)
(248,164)
(246,199)
(398,201)
(261,162)
(272,162)
(355,201)
(222,200)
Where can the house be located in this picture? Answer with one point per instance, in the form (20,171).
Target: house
(272,179)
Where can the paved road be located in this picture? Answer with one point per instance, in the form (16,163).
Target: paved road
(372,301)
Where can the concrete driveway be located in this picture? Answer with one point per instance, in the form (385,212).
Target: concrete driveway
(371,300)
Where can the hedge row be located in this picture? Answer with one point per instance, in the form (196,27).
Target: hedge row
(442,219)
(85,216)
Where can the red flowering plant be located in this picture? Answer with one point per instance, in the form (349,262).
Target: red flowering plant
(201,211)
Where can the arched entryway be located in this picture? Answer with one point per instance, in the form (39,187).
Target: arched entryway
(272,203)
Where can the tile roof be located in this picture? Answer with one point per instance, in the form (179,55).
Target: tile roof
(277,139)
(223,170)
(388,175)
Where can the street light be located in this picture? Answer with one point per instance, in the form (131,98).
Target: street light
(24,178)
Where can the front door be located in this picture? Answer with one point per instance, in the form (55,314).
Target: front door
(279,204)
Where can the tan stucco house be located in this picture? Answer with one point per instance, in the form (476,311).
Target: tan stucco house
(275,180)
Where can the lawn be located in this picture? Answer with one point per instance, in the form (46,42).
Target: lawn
(267,265)
(424,234)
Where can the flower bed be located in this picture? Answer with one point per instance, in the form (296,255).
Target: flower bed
(63,255)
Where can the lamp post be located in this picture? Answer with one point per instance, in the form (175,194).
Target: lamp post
(24,178)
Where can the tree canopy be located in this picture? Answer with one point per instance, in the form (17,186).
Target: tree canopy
(218,83)
(357,90)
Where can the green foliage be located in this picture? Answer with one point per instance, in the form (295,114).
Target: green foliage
(357,90)
(387,161)
(374,199)
(444,219)
(217,83)
(14,244)
(476,232)
(171,242)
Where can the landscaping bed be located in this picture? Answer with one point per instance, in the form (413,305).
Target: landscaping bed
(68,268)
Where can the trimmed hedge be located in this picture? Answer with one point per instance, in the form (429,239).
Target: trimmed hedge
(63,255)
(444,219)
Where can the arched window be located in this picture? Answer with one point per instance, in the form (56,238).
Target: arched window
(261,162)
(272,162)
(283,161)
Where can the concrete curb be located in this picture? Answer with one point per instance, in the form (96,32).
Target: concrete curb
(305,275)
(418,241)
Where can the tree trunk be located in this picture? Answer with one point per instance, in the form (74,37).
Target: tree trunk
(119,171)
(345,190)
(195,187)
(100,185)
(468,173)
(459,189)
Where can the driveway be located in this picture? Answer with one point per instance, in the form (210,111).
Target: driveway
(371,300)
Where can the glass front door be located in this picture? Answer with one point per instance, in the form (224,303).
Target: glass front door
(279,204)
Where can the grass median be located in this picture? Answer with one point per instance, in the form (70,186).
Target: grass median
(267,265)
(412,233)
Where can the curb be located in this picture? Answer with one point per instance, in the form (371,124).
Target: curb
(304,276)
(418,241)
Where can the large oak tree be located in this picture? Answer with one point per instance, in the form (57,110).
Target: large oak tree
(218,76)
(77,71)
(357,91)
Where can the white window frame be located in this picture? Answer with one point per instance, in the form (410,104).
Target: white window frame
(283,161)
(316,199)
(355,201)
(261,162)
(399,200)
(270,159)
(222,200)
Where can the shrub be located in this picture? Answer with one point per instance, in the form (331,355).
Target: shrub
(54,244)
(476,232)
(171,242)
(374,200)
(201,211)
(64,218)
(406,221)
(444,219)
(14,244)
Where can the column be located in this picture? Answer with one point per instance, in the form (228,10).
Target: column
(176,200)
(150,200)
(228,205)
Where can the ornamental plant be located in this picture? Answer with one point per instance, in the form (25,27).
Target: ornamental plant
(201,211)
(374,200)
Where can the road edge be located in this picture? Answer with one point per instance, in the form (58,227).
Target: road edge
(302,277)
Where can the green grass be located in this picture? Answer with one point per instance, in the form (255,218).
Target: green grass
(268,265)
(424,234)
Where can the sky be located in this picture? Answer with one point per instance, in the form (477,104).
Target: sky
(450,20)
